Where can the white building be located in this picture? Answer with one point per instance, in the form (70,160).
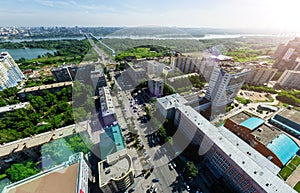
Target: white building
(107,108)
(290,79)
(223,87)
(10,73)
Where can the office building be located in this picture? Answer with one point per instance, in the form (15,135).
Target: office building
(227,157)
(116,172)
(71,176)
(223,87)
(64,73)
(260,76)
(10,73)
(290,79)
(288,120)
(268,140)
(136,73)
(185,64)
(107,109)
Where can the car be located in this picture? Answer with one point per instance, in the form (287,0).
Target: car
(155,180)
(131,190)
(174,165)
(170,166)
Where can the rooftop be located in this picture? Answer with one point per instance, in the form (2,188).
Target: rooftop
(252,123)
(48,86)
(171,101)
(111,141)
(114,167)
(291,114)
(284,148)
(265,133)
(248,159)
(107,106)
(240,117)
(13,107)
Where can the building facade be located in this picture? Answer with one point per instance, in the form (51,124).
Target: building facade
(290,79)
(10,73)
(260,76)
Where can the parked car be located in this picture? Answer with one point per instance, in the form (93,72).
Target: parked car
(155,180)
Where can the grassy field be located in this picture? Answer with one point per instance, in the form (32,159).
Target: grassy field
(297,187)
(286,171)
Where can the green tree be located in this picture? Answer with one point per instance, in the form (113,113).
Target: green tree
(191,169)
(21,171)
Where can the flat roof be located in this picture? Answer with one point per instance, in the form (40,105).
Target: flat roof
(111,141)
(265,133)
(47,86)
(61,180)
(106,102)
(283,147)
(114,167)
(291,114)
(240,117)
(13,107)
(171,101)
(252,123)
(259,168)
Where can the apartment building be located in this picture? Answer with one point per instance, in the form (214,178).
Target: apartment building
(10,73)
(290,79)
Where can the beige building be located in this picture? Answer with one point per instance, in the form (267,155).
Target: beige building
(260,76)
(116,172)
(290,79)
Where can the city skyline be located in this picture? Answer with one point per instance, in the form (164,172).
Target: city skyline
(234,14)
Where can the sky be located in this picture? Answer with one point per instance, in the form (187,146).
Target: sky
(239,14)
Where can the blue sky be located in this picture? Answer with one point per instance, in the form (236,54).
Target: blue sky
(258,14)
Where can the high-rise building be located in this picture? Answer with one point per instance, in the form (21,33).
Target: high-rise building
(223,87)
(107,109)
(260,76)
(10,73)
(290,79)
(227,158)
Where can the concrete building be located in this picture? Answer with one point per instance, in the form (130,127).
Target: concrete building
(68,177)
(227,158)
(268,140)
(290,79)
(38,90)
(166,105)
(107,109)
(156,85)
(260,76)
(64,73)
(223,87)
(10,108)
(116,172)
(286,55)
(186,64)
(136,73)
(289,121)
(10,73)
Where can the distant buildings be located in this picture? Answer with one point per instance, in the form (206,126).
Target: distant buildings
(226,157)
(71,176)
(10,73)
(116,172)
(260,75)
(287,56)
(269,141)
(223,87)
(290,79)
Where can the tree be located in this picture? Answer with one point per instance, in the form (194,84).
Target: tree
(21,171)
(191,169)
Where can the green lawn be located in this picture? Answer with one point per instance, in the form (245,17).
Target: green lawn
(297,187)
(286,171)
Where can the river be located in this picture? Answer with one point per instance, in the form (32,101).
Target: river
(27,53)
